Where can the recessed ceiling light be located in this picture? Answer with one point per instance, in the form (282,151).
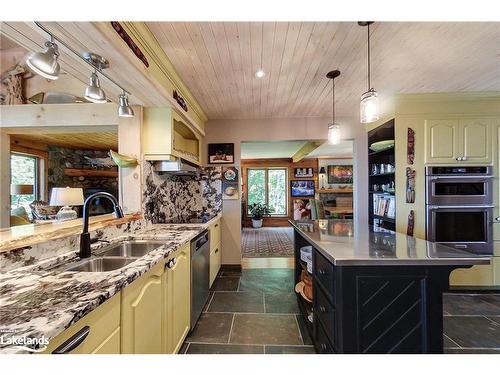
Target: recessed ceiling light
(260,73)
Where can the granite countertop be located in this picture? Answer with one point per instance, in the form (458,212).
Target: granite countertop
(345,245)
(35,301)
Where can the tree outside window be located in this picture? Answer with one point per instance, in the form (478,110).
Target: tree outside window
(23,169)
(268,186)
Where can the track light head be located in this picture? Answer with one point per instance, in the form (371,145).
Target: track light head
(93,92)
(124,109)
(45,63)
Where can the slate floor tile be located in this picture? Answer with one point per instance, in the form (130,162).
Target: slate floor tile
(225,284)
(472,331)
(212,328)
(494,299)
(462,304)
(266,284)
(447,343)
(281,303)
(289,349)
(237,302)
(224,349)
(265,329)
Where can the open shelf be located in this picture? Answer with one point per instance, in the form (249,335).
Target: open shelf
(73,172)
(334,191)
(391,174)
(385,218)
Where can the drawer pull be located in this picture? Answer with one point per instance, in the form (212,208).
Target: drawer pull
(321,272)
(322,309)
(73,342)
(216,251)
(323,346)
(170,263)
(216,225)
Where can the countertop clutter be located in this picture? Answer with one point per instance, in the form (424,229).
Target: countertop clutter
(344,244)
(36,301)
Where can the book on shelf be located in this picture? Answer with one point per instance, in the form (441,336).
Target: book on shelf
(384,205)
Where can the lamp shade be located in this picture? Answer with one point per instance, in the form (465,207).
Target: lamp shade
(322,170)
(19,189)
(66,197)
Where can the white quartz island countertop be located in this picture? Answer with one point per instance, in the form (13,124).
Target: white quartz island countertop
(35,301)
(346,245)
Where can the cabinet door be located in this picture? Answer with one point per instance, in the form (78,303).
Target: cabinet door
(442,141)
(178,294)
(215,262)
(215,233)
(111,345)
(476,141)
(157,132)
(142,313)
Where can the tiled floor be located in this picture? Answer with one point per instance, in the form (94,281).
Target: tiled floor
(471,323)
(253,311)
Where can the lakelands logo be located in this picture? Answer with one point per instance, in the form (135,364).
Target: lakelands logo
(10,340)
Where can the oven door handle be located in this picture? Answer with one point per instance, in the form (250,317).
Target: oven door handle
(459,207)
(479,178)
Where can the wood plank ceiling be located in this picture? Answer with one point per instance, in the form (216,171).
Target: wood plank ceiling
(218,61)
(80,141)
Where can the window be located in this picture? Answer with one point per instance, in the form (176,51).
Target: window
(24,180)
(268,186)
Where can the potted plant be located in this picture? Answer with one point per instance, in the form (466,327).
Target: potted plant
(258,211)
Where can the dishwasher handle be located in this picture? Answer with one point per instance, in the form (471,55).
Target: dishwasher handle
(200,241)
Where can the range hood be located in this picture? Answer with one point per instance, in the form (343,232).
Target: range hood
(176,166)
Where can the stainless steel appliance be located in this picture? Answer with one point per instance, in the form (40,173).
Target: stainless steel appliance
(200,274)
(459,207)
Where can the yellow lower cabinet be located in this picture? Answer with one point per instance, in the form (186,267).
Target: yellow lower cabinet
(177,293)
(481,275)
(143,313)
(215,262)
(98,332)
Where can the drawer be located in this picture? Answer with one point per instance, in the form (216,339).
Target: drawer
(324,313)
(323,272)
(97,331)
(214,234)
(321,343)
(215,262)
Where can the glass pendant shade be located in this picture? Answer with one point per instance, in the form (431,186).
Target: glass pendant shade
(333,133)
(369,108)
(93,92)
(45,63)
(124,109)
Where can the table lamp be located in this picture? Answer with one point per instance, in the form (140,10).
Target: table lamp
(322,177)
(20,189)
(66,197)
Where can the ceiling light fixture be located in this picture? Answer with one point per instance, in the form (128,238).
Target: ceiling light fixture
(95,92)
(260,73)
(124,109)
(333,128)
(45,63)
(369,107)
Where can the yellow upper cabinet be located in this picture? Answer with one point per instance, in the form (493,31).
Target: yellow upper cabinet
(142,315)
(165,134)
(458,141)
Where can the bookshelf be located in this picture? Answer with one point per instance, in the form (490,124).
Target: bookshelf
(381,204)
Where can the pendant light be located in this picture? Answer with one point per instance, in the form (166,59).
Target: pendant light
(333,128)
(124,109)
(45,63)
(369,107)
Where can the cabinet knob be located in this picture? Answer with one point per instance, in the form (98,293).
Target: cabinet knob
(216,225)
(171,263)
(322,309)
(216,250)
(321,272)
(464,158)
(323,346)
(458,159)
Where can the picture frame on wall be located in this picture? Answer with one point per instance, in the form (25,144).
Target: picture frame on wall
(303,172)
(221,153)
(340,174)
(302,188)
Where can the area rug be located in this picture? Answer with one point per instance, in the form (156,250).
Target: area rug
(268,242)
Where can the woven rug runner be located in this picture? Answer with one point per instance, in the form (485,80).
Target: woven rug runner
(267,242)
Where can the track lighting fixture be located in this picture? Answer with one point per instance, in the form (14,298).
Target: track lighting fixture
(45,63)
(124,109)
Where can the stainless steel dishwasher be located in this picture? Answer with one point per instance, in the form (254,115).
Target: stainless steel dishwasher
(200,274)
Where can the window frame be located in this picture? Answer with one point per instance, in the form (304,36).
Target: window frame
(39,173)
(266,183)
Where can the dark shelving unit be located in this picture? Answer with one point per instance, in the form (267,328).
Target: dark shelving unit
(382,133)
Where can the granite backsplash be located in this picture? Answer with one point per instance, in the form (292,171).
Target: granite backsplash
(167,198)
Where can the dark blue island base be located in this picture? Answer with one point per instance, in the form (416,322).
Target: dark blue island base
(373,307)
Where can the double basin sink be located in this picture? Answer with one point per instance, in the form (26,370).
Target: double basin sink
(114,256)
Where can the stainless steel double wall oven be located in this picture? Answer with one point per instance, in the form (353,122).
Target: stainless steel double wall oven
(459,205)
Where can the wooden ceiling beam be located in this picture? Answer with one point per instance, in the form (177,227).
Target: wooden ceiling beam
(305,150)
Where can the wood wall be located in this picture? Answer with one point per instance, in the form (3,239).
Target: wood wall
(268,163)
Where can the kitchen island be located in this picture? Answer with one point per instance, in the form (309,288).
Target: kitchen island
(374,291)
